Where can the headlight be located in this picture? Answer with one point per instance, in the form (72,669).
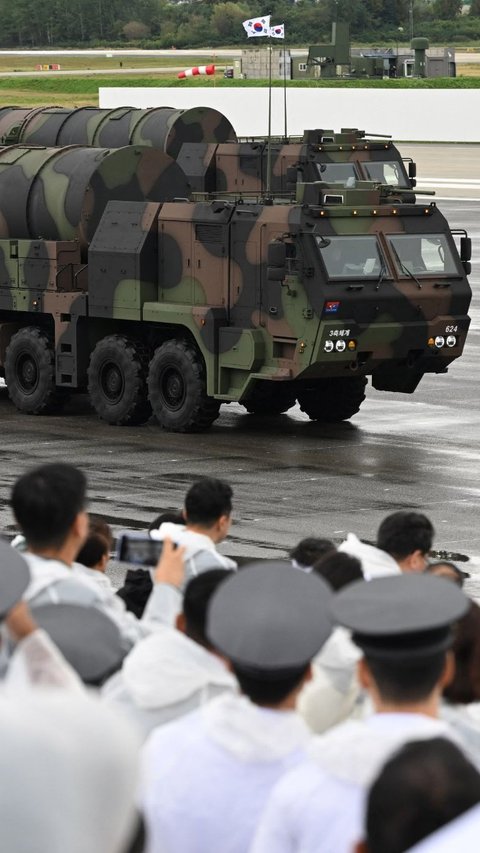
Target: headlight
(328,346)
(451,341)
(439,341)
(340,346)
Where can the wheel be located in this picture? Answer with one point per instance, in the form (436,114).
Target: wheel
(270,398)
(332,400)
(30,372)
(116,381)
(177,388)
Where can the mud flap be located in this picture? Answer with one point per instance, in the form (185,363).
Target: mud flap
(401,379)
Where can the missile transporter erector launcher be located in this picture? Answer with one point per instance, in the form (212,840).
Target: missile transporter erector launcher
(174,306)
(204,143)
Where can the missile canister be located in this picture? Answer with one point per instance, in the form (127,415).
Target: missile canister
(12,120)
(61,193)
(162,127)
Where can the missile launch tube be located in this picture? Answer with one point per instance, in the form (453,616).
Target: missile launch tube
(61,193)
(161,127)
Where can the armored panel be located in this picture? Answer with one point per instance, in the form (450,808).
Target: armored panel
(122,260)
(47,265)
(197,159)
(239,167)
(193,253)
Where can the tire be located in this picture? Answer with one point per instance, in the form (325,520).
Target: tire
(270,398)
(116,381)
(30,373)
(177,388)
(333,400)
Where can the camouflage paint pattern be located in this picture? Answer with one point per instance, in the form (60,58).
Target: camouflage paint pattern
(160,127)
(42,127)
(13,120)
(190,137)
(61,193)
(170,129)
(164,270)
(43,283)
(277,329)
(243,167)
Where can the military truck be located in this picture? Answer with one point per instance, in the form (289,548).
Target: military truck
(320,155)
(177,306)
(204,143)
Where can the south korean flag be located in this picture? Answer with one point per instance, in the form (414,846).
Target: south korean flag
(255,27)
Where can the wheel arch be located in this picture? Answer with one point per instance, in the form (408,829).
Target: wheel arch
(198,324)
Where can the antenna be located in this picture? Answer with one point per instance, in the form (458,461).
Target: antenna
(269,139)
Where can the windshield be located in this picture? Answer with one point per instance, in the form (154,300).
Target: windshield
(351,257)
(386,172)
(338,173)
(423,254)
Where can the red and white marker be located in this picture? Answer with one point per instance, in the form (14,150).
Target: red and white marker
(194,72)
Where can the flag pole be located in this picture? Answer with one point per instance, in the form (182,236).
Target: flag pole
(285,89)
(269,139)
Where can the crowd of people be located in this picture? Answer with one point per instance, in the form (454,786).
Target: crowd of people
(328,702)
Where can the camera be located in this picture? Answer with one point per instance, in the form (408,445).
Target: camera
(138,548)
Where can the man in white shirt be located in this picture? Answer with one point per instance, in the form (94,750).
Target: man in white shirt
(207,775)
(403,626)
(404,539)
(208,516)
(49,505)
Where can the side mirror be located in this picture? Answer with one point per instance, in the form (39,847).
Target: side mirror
(467,267)
(465,248)
(412,173)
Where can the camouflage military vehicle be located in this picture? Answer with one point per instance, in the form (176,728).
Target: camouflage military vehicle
(322,155)
(204,143)
(177,306)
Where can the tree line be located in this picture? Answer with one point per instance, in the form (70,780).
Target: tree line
(209,23)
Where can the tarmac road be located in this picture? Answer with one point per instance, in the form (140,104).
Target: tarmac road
(453,171)
(291,477)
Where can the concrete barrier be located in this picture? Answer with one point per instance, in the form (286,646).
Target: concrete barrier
(423,115)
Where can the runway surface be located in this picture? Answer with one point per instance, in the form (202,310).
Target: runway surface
(292,477)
